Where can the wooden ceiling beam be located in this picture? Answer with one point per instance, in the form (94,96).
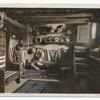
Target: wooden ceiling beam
(57,20)
(64,15)
(79,15)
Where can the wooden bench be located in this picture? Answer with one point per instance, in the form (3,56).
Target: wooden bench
(7,76)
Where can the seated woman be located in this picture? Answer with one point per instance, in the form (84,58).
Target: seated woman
(18,52)
(37,61)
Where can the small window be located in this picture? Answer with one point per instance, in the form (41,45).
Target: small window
(83,35)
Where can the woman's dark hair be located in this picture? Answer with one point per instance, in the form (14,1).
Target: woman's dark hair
(30,51)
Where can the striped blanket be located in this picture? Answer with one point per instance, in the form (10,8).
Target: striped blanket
(2,60)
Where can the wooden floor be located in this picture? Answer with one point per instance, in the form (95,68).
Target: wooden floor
(47,85)
(53,86)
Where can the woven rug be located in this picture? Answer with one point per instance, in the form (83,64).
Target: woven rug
(40,74)
(47,86)
(32,86)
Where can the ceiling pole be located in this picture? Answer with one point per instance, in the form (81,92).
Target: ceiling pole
(11,21)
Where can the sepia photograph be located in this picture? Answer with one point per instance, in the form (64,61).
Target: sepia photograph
(49,50)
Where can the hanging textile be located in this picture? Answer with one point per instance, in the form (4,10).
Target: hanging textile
(12,55)
(49,57)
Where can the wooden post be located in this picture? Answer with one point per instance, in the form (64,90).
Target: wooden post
(2,83)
